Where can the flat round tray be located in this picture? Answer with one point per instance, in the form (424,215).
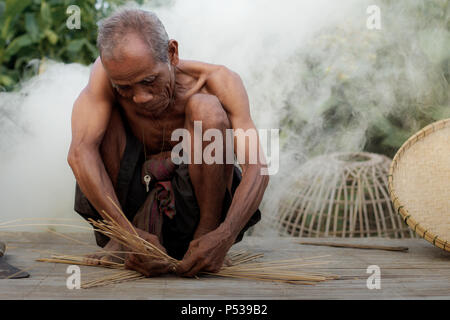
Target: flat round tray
(419,183)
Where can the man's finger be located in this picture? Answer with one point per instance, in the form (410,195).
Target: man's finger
(164,269)
(185,265)
(146,266)
(135,263)
(152,268)
(155,265)
(136,267)
(199,266)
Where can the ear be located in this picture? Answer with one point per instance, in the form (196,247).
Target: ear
(173,52)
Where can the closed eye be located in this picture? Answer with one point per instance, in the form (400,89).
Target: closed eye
(121,87)
(148,82)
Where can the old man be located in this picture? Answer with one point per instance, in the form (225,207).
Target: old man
(139,92)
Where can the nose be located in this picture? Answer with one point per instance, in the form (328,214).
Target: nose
(141,96)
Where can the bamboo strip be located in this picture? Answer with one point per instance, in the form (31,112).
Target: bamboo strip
(356,246)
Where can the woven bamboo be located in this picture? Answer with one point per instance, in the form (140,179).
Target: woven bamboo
(340,195)
(419,183)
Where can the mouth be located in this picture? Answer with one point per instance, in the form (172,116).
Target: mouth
(154,108)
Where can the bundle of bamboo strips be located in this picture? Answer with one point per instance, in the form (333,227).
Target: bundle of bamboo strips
(241,266)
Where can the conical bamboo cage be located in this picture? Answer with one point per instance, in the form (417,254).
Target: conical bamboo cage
(341,195)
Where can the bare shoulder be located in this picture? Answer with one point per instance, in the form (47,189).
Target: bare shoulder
(99,85)
(92,109)
(223,83)
(205,70)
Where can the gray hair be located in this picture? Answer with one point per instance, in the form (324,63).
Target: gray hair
(145,24)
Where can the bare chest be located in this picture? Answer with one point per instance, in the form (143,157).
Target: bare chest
(155,134)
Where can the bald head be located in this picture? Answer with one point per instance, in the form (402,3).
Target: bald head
(115,31)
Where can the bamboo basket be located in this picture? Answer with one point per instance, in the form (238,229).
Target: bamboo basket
(340,195)
(419,183)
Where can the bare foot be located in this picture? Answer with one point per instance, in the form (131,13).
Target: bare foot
(103,258)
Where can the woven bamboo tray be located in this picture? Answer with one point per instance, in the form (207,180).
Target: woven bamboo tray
(419,183)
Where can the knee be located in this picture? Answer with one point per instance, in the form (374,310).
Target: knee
(207,109)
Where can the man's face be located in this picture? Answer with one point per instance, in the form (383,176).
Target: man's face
(140,78)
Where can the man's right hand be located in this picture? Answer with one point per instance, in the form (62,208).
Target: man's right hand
(149,267)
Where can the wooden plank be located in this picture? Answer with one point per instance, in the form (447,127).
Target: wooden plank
(421,273)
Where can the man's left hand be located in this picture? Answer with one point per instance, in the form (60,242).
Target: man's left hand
(206,253)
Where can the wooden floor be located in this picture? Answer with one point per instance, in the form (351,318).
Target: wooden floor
(421,273)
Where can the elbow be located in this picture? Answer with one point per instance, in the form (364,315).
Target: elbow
(80,156)
(74,156)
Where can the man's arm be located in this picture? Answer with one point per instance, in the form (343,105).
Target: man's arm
(228,87)
(208,252)
(90,117)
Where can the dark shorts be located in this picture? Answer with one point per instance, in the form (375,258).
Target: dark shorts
(178,232)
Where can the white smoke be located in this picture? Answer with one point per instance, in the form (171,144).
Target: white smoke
(36,180)
(254,38)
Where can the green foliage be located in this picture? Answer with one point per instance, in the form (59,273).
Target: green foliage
(36,29)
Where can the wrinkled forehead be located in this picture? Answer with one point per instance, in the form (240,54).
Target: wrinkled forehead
(131,60)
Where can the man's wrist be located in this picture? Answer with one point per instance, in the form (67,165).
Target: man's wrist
(227,233)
